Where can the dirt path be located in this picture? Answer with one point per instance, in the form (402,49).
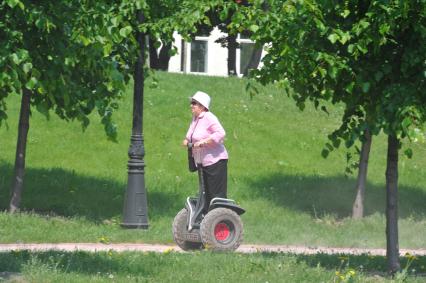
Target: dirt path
(120,247)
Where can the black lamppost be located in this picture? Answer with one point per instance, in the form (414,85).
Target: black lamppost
(135,211)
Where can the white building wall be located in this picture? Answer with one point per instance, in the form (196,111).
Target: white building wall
(217,63)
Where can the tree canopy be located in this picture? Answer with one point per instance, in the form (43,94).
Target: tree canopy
(46,51)
(368,55)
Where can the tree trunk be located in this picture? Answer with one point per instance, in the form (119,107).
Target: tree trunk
(392,246)
(232,55)
(24,125)
(159,61)
(358,206)
(153,56)
(164,57)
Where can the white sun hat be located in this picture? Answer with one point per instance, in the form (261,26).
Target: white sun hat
(202,98)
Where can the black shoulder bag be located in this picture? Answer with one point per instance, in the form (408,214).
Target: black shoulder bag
(191,162)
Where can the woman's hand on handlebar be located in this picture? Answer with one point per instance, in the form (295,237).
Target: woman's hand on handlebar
(201,143)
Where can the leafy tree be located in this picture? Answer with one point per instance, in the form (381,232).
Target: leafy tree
(74,57)
(368,55)
(55,69)
(222,16)
(160,44)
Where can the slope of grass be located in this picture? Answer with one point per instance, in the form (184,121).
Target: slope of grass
(75,181)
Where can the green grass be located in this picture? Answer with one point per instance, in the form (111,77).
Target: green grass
(198,267)
(75,181)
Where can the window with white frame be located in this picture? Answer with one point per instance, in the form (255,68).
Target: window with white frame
(199,56)
(246,53)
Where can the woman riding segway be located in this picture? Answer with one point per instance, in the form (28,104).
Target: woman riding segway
(221,229)
(206,135)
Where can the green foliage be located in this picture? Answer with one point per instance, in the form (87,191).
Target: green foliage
(60,56)
(366,54)
(188,16)
(77,56)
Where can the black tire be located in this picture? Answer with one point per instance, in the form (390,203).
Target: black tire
(222,230)
(180,233)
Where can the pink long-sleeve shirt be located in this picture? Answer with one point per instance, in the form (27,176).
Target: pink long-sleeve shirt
(206,125)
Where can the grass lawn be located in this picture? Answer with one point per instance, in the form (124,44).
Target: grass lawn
(75,181)
(196,267)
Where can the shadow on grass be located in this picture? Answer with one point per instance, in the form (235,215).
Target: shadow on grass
(320,196)
(150,264)
(65,193)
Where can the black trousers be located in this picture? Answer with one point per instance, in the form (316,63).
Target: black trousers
(216,180)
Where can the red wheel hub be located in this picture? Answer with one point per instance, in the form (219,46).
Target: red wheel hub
(221,231)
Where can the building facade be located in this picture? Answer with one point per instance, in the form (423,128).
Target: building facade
(205,56)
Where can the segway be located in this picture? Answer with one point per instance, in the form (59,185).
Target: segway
(219,229)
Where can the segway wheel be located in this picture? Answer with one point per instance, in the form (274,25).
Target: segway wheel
(222,230)
(181,234)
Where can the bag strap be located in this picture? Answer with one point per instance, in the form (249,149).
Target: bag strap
(198,119)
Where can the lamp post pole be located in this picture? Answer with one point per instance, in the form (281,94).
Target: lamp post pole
(135,211)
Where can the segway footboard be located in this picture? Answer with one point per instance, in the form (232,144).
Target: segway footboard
(226,203)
